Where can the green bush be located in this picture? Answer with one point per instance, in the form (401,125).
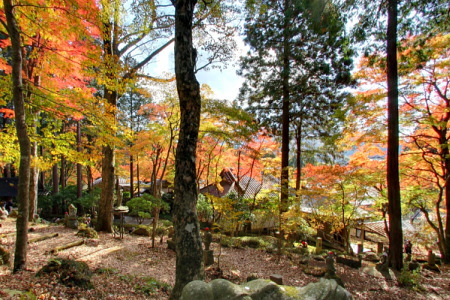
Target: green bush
(70,272)
(52,205)
(409,279)
(87,232)
(142,207)
(254,242)
(204,208)
(57,204)
(166,223)
(151,286)
(225,241)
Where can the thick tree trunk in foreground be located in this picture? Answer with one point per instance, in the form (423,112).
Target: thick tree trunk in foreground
(189,263)
(393,180)
(105,206)
(20,254)
(106,203)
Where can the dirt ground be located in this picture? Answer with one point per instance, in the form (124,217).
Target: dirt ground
(122,268)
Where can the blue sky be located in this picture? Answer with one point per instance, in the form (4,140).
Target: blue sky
(225,83)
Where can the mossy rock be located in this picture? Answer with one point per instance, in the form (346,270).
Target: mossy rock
(142,231)
(70,272)
(4,256)
(260,289)
(87,232)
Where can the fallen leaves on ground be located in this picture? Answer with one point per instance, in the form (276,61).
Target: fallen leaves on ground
(129,268)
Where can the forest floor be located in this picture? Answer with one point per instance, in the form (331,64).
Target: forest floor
(123,269)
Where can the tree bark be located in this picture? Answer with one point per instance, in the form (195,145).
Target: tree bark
(34,179)
(105,206)
(55,179)
(393,180)
(189,253)
(131,177)
(79,166)
(298,162)
(63,176)
(285,112)
(20,254)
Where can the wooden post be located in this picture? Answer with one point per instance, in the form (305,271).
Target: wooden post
(318,245)
(379,247)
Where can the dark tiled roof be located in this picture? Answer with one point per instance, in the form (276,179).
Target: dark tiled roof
(378,227)
(247,186)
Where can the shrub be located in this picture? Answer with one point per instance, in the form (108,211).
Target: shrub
(142,207)
(87,232)
(57,204)
(409,279)
(70,272)
(107,271)
(225,241)
(166,223)
(252,242)
(151,286)
(204,208)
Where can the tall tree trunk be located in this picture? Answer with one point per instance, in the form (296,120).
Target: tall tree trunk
(446,238)
(131,177)
(42,174)
(106,203)
(20,254)
(55,179)
(285,111)
(34,180)
(62,174)
(394,207)
(105,206)
(284,195)
(7,171)
(138,176)
(189,261)
(79,166)
(298,163)
(90,179)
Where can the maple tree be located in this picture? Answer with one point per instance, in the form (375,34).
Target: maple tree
(24,140)
(399,24)
(42,83)
(118,70)
(158,142)
(333,194)
(427,164)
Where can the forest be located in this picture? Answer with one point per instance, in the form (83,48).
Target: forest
(336,148)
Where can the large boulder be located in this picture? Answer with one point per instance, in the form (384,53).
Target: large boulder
(224,289)
(324,289)
(197,290)
(261,289)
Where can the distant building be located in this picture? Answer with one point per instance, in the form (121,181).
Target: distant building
(145,187)
(246,187)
